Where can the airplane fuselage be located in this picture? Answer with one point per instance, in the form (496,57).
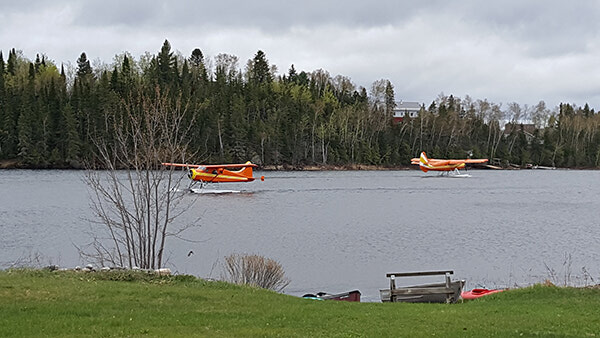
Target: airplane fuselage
(430,164)
(221,175)
(440,167)
(217,173)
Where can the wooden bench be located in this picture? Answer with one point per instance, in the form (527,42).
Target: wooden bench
(448,291)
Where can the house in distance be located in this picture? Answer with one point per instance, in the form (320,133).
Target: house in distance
(406,109)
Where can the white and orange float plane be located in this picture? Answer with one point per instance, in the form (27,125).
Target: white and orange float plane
(432,164)
(218,173)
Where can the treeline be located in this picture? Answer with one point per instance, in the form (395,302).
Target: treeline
(50,116)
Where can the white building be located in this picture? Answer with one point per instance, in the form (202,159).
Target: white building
(406,109)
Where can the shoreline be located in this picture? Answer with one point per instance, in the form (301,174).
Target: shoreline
(16,164)
(332,167)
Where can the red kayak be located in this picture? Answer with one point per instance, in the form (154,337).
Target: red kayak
(476,293)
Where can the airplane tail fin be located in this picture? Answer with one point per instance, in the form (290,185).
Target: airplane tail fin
(247,171)
(424,162)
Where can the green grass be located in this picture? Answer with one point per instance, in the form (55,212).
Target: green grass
(43,303)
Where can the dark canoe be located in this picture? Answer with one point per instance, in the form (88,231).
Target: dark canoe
(350,296)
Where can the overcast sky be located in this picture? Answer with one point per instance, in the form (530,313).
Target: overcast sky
(504,51)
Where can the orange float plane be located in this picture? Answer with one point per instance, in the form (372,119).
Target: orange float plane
(427,164)
(218,173)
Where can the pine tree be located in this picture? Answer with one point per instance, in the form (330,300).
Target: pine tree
(390,102)
(11,63)
(26,124)
(292,76)
(55,127)
(38,63)
(63,76)
(83,98)
(259,69)
(3,109)
(12,105)
(166,63)
(126,77)
(70,137)
(198,68)
(197,58)
(115,84)
(84,69)
(186,80)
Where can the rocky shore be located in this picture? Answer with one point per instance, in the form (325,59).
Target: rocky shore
(92,268)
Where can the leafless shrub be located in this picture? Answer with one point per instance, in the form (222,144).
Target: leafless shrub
(134,197)
(587,277)
(32,259)
(255,270)
(564,276)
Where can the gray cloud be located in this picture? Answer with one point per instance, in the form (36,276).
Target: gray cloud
(522,51)
(263,14)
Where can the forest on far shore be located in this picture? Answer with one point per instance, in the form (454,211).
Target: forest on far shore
(51,114)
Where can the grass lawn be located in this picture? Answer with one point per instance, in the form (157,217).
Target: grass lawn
(117,304)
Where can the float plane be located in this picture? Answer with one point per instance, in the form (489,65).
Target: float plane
(217,173)
(432,164)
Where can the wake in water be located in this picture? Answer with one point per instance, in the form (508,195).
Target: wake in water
(213,191)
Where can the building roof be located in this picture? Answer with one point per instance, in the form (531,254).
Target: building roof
(406,105)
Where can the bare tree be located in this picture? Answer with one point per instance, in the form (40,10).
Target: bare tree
(133,196)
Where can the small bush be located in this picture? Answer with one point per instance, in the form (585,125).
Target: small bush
(255,270)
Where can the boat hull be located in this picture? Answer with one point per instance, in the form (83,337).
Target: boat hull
(350,296)
(476,293)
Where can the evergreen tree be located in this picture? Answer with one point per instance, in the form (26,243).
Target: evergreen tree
(83,99)
(12,104)
(390,101)
(70,138)
(63,76)
(259,70)
(28,136)
(115,83)
(84,69)
(166,65)
(11,63)
(55,127)
(292,76)
(38,63)
(126,80)
(198,68)
(3,109)
(186,80)
(2,70)
(197,58)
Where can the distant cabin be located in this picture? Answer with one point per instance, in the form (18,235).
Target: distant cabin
(406,109)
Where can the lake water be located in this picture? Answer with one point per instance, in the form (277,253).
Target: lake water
(344,230)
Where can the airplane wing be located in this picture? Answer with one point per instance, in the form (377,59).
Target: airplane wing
(240,165)
(184,165)
(435,161)
(478,160)
(211,166)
